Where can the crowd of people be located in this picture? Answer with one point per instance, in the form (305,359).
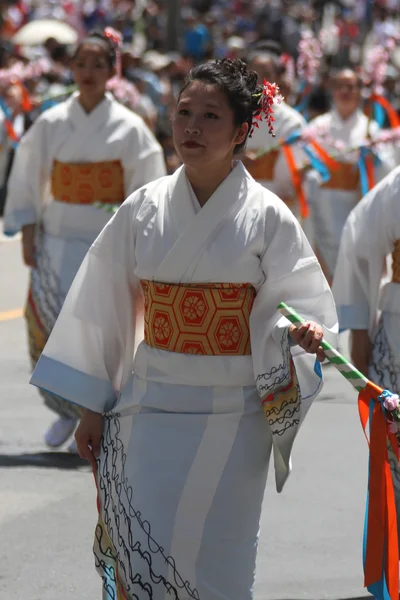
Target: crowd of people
(135,310)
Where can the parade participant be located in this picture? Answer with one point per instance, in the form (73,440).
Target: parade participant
(366,288)
(12,126)
(86,150)
(332,201)
(185,447)
(271,169)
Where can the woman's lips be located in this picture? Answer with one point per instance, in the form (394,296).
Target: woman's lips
(190,144)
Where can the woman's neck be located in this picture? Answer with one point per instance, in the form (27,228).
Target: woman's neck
(205,181)
(89,103)
(346,114)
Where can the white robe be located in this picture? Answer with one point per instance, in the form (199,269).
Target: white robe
(365,295)
(287,121)
(186,434)
(330,207)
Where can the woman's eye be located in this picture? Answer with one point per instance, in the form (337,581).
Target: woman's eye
(183,112)
(211,115)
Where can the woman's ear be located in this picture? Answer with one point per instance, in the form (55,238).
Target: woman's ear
(242,133)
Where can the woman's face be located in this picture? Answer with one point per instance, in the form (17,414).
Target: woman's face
(91,69)
(346,92)
(203,127)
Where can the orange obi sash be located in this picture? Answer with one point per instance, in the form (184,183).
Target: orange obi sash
(86,183)
(396,263)
(344,177)
(209,319)
(263,167)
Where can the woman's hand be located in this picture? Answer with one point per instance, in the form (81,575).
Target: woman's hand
(361,350)
(28,245)
(88,436)
(309,337)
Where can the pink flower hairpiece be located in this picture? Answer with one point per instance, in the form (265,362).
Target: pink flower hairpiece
(116,37)
(288,64)
(269,96)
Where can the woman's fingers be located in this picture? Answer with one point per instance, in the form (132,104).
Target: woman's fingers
(312,339)
(86,453)
(309,336)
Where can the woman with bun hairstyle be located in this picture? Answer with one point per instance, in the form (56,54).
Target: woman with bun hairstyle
(73,168)
(174,403)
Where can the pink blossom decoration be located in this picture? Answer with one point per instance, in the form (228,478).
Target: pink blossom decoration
(288,63)
(124,91)
(309,59)
(391,402)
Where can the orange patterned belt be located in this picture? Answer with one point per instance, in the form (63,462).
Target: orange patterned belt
(209,319)
(396,263)
(86,183)
(263,168)
(346,177)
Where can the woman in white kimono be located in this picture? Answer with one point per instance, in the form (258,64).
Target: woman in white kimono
(332,201)
(87,150)
(207,253)
(366,288)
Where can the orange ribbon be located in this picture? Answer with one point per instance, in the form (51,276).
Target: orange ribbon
(330,162)
(382,550)
(369,165)
(393,117)
(10,131)
(296,180)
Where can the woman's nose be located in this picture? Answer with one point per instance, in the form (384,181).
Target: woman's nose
(192,128)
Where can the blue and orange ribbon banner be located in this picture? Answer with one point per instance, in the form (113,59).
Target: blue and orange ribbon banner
(380,548)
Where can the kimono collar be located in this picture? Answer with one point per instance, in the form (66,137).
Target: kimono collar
(349,122)
(77,111)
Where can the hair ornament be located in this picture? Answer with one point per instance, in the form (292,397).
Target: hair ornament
(114,35)
(117,38)
(268,97)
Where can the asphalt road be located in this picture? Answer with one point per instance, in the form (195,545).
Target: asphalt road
(310,545)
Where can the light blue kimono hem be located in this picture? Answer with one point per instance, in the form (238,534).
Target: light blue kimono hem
(351,317)
(74,386)
(14,221)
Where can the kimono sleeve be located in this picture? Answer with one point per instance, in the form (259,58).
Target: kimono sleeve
(23,202)
(147,158)
(288,378)
(368,237)
(89,355)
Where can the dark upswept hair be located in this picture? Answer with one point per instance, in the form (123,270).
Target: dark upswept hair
(237,82)
(97,37)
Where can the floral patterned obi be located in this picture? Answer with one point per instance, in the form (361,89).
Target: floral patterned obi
(86,183)
(208,319)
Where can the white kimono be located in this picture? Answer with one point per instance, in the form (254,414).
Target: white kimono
(65,231)
(331,207)
(287,121)
(363,289)
(186,446)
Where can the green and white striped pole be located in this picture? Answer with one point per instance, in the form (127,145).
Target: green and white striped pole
(355,377)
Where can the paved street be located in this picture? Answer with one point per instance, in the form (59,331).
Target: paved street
(311,534)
